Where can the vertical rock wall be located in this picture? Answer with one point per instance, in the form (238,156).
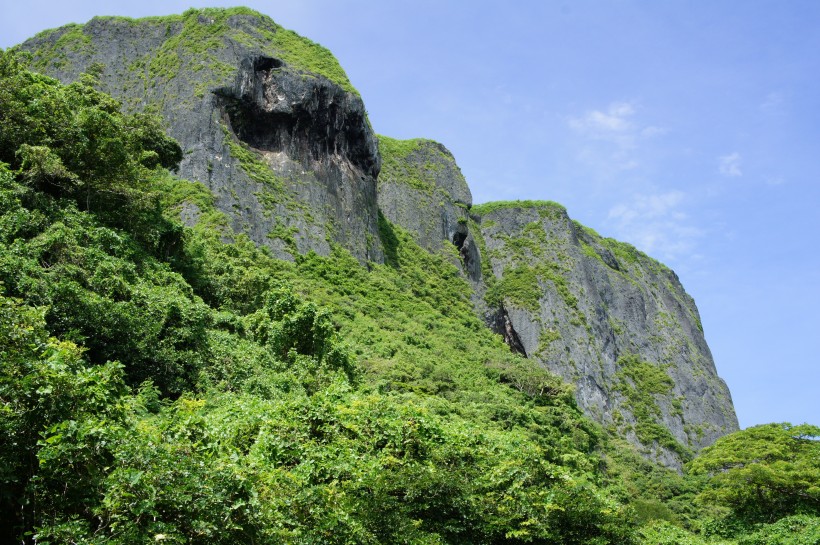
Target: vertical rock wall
(267,119)
(610,320)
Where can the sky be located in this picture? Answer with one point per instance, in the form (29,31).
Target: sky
(689,129)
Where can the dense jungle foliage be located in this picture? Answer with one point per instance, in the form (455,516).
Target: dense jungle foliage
(179,385)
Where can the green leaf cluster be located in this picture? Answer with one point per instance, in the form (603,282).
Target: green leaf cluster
(73,141)
(764,473)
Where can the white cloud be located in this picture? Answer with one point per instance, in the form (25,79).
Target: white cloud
(657,224)
(729,165)
(649,132)
(612,136)
(608,125)
(648,207)
(773,102)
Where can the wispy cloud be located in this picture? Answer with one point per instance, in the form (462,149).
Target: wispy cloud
(729,165)
(773,102)
(657,224)
(648,206)
(605,125)
(618,128)
(655,219)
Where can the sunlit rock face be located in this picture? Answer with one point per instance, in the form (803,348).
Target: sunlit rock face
(607,318)
(288,153)
(612,321)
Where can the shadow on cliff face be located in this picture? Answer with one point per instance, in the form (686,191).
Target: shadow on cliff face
(458,240)
(389,240)
(500,323)
(468,251)
(272,108)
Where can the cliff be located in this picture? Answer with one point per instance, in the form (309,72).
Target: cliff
(610,320)
(604,316)
(270,124)
(268,120)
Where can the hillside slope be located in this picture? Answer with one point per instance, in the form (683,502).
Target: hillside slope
(271,126)
(597,312)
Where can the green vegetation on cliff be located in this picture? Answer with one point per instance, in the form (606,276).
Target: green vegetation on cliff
(192,45)
(531,259)
(490,207)
(399,166)
(639,382)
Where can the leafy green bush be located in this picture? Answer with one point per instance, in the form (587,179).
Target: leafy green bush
(793,530)
(764,472)
(56,414)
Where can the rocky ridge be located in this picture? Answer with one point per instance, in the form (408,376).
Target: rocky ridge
(271,125)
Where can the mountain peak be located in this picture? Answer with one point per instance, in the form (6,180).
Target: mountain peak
(192,40)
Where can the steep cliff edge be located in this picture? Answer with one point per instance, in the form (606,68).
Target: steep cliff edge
(422,189)
(268,120)
(610,320)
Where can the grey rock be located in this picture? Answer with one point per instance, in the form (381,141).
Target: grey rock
(422,190)
(578,303)
(222,82)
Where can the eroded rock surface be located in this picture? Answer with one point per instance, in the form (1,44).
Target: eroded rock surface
(267,119)
(612,321)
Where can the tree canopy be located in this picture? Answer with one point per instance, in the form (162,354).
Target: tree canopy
(765,472)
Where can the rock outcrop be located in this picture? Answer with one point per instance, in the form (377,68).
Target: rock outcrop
(271,125)
(422,189)
(609,319)
(267,119)
(606,317)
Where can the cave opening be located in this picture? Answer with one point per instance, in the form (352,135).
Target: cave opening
(502,325)
(459,239)
(265,64)
(460,242)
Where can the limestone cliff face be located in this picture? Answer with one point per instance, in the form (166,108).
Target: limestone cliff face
(267,119)
(422,189)
(608,319)
(270,123)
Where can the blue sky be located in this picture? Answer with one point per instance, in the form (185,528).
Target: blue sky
(690,129)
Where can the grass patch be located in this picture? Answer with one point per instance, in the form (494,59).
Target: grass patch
(490,207)
(416,162)
(639,382)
